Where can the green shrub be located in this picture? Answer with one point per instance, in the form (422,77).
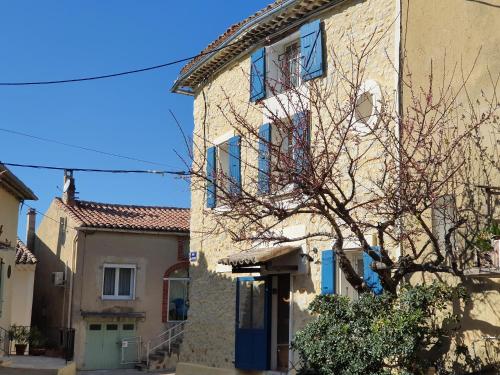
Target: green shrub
(378,334)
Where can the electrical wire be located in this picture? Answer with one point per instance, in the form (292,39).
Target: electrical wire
(81,147)
(143,171)
(93,78)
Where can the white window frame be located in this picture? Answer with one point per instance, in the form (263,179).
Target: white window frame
(218,143)
(343,285)
(168,279)
(117,279)
(273,68)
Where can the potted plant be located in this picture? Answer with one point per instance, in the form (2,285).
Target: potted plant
(37,342)
(20,335)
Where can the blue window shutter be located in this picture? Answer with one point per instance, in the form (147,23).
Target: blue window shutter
(211,176)
(328,265)
(311,50)
(300,140)
(235,164)
(370,277)
(258,75)
(264,159)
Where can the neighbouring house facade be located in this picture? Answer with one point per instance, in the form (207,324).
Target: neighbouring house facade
(17,263)
(451,40)
(245,305)
(115,274)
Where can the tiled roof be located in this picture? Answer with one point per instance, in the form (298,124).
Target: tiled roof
(23,255)
(128,217)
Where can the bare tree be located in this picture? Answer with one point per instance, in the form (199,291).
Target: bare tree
(363,168)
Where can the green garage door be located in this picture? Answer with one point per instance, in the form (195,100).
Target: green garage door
(103,344)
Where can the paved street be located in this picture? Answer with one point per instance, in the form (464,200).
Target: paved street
(120,372)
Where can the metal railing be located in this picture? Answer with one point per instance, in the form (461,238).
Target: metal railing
(164,340)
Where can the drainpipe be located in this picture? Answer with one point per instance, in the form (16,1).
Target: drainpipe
(71,284)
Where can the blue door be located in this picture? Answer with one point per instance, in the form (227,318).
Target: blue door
(252,323)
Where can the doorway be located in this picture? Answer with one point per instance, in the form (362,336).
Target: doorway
(280,334)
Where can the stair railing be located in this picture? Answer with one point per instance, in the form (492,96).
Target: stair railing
(163,339)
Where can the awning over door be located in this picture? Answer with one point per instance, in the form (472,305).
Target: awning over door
(257,256)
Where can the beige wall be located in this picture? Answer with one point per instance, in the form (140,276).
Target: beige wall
(54,251)
(449,32)
(152,253)
(23,278)
(209,337)
(9,211)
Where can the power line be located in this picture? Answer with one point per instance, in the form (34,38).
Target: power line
(142,171)
(81,147)
(93,78)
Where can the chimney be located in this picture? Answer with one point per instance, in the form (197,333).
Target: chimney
(30,229)
(69,188)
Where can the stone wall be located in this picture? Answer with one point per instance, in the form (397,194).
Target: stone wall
(209,336)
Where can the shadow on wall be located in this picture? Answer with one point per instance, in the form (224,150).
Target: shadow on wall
(209,337)
(478,332)
(50,301)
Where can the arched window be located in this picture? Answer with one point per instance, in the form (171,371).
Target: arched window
(175,293)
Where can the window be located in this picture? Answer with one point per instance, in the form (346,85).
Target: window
(118,281)
(346,289)
(223,165)
(288,158)
(284,61)
(223,170)
(178,292)
(128,327)
(443,219)
(287,63)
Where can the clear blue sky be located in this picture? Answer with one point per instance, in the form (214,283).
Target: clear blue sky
(129,115)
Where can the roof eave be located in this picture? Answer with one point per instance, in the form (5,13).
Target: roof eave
(14,185)
(90,228)
(177,88)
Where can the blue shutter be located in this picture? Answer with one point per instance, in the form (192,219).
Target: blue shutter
(211,176)
(235,165)
(328,265)
(264,159)
(300,140)
(370,277)
(258,75)
(311,50)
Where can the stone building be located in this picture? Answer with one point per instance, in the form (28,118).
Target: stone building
(245,305)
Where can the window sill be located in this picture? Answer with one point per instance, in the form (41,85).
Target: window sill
(479,272)
(286,197)
(112,298)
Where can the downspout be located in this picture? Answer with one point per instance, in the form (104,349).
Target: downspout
(71,283)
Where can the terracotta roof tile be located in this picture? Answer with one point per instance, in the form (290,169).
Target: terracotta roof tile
(128,217)
(230,31)
(23,255)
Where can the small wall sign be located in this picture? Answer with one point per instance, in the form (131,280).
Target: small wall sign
(193,256)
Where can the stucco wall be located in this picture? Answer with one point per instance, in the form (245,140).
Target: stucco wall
(9,211)
(59,248)
(23,278)
(209,336)
(54,250)
(449,34)
(152,254)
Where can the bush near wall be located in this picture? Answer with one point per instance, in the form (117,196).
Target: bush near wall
(386,334)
